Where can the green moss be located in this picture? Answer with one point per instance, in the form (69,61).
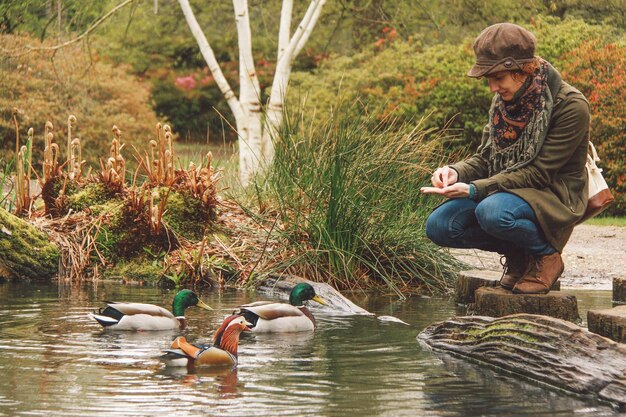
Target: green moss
(139,269)
(89,196)
(25,251)
(513,330)
(187,216)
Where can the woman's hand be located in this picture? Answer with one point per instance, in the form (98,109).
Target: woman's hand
(444,176)
(456,190)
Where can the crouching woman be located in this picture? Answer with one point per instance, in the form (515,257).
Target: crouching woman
(525,189)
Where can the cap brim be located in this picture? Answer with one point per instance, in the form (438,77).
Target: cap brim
(479,70)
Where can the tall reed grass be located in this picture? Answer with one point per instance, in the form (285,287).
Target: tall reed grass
(347,193)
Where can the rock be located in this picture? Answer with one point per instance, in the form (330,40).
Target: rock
(619,290)
(545,349)
(498,302)
(25,252)
(468,282)
(281,285)
(609,322)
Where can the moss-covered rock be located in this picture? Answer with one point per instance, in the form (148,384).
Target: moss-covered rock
(187,216)
(25,252)
(139,269)
(90,195)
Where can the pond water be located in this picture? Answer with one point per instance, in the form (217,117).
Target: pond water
(55,361)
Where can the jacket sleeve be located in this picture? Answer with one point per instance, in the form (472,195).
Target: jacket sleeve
(477,165)
(567,129)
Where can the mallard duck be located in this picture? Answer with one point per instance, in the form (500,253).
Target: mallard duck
(223,351)
(272,317)
(139,316)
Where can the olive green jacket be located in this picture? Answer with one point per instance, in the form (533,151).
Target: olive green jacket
(554,184)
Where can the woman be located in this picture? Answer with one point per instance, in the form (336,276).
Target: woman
(525,189)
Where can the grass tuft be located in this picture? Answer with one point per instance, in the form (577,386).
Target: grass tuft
(346,191)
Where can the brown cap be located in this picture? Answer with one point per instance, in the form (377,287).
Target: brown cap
(502,47)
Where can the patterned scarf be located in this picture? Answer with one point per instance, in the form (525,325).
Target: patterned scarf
(518,128)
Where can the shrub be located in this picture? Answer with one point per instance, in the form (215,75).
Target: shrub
(599,71)
(51,86)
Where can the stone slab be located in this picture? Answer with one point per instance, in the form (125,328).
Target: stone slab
(610,322)
(619,290)
(498,302)
(469,281)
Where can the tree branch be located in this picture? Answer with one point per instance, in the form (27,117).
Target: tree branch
(308,29)
(209,57)
(97,23)
(249,88)
(285,27)
(302,33)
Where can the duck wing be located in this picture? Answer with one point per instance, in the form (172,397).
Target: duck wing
(215,356)
(130,309)
(272,311)
(198,354)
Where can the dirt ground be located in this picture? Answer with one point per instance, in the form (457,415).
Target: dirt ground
(593,256)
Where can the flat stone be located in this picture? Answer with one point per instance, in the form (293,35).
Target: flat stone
(619,290)
(469,281)
(498,302)
(610,322)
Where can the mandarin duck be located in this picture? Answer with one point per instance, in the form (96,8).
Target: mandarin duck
(223,351)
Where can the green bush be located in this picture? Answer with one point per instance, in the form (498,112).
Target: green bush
(49,87)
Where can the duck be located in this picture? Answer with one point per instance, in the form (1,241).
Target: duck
(273,317)
(142,317)
(222,353)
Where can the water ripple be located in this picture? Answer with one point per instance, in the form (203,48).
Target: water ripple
(54,360)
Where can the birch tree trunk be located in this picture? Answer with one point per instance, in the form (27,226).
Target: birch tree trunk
(256,130)
(250,127)
(274,115)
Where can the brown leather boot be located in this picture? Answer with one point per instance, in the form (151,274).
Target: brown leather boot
(515,266)
(544,271)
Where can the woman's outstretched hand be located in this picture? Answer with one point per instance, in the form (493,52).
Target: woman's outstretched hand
(445,183)
(456,190)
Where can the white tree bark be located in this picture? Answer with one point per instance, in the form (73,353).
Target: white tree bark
(256,148)
(250,145)
(285,27)
(274,112)
(209,57)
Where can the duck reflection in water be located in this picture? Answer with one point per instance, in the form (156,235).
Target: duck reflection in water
(226,381)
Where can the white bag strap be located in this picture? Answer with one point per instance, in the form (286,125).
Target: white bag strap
(593,158)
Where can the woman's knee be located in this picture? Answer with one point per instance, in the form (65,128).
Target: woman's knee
(496,214)
(449,222)
(437,229)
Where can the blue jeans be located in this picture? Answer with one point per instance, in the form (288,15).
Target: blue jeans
(502,222)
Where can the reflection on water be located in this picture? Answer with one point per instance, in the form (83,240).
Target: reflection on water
(54,360)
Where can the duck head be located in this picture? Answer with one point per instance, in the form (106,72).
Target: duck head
(303,292)
(186,298)
(227,336)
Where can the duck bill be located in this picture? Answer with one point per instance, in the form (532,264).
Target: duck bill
(201,304)
(248,326)
(319,300)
